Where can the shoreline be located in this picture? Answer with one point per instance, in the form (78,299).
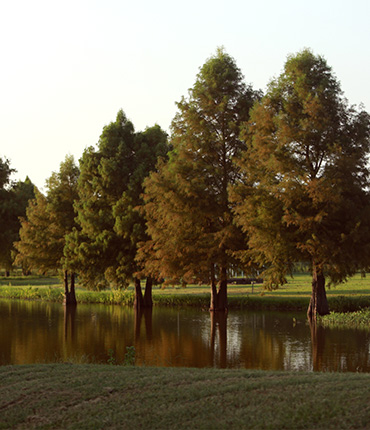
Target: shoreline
(247,301)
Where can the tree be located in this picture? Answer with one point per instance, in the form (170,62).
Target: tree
(5,211)
(21,193)
(14,197)
(110,186)
(303,195)
(48,220)
(187,205)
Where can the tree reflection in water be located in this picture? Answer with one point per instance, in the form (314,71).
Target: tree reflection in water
(34,332)
(219,324)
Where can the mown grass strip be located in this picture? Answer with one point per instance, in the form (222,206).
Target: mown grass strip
(73,396)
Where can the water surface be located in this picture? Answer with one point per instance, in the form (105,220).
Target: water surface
(36,332)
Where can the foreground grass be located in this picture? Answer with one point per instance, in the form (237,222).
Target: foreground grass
(71,396)
(351,296)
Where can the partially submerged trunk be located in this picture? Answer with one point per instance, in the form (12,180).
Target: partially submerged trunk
(69,294)
(143,301)
(319,302)
(219,296)
(148,300)
(139,300)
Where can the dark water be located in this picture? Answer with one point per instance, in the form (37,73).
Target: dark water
(32,332)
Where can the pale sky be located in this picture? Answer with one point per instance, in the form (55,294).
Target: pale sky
(67,67)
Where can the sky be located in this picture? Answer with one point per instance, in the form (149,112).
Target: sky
(68,67)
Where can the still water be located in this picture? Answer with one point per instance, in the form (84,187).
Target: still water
(33,332)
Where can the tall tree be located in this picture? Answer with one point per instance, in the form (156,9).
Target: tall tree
(5,212)
(110,186)
(14,197)
(189,214)
(305,176)
(48,220)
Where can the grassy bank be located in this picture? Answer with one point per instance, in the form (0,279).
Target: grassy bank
(352,296)
(72,396)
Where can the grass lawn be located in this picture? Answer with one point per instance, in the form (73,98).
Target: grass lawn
(74,396)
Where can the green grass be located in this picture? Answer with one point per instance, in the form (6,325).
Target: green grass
(33,280)
(351,296)
(75,396)
(359,319)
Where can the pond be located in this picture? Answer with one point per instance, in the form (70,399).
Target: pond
(35,332)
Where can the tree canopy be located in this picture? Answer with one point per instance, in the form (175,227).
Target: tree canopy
(14,197)
(304,191)
(187,205)
(48,220)
(103,250)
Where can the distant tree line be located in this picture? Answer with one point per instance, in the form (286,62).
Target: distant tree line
(249,181)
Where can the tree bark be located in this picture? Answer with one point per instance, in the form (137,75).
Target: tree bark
(69,296)
(139,300)
(219,297)
(214,301)
(148,300)
(319,302)
(72,292)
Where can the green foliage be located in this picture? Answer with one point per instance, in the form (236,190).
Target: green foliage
(103,249)
(48,219)
(303,197)
(190,221)
(14,197)
(5,172)
(112,359)
(129,359)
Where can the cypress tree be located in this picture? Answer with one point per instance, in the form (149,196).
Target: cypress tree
(48,220)
(104,248)
(187,205)
(303,197)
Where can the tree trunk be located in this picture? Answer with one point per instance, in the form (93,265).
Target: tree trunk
(72,293)
(148,300)
(219,297)
(139,300)
(69,296)
(319,302)
(214,302)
